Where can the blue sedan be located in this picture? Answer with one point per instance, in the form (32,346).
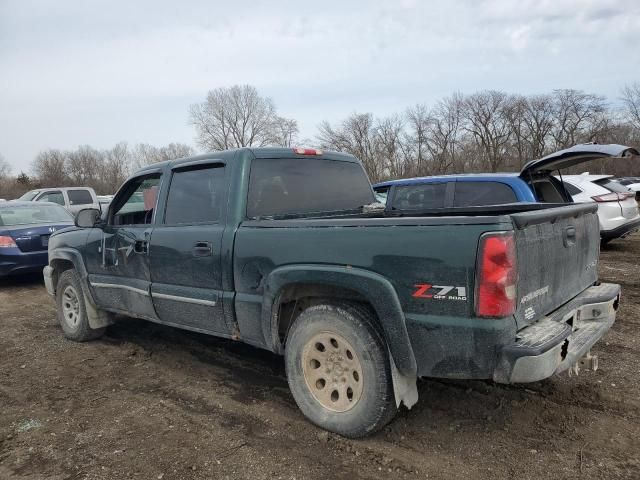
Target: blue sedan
(25,228)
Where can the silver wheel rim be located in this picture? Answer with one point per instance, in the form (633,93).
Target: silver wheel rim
(71,306)
(332,371)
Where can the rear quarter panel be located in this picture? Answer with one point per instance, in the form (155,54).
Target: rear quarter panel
(445,336)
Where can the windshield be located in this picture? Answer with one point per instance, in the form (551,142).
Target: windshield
(29,195)
(36,214)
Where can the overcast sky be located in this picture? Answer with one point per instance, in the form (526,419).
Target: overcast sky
(99,72)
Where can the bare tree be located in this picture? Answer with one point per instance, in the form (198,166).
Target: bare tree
(50,168)
(487,121)
(145,154)
(355,135)
(574,113)
(5,167)
(390,151)
(117,163)
(631,102)
(538,117)
(236,117)
(284,132)
(84,166)
(418,119)
(443,131)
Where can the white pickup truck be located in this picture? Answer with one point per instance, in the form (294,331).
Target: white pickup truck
(73,199)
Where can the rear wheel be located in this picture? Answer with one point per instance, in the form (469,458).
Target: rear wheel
(338,370)
(72,313)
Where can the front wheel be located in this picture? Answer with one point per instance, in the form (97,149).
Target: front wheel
(338,370)
(72,313)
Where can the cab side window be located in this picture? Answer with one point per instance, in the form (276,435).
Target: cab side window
(138,202)
(79,197)
(476,194)
(196,196)
(54,196)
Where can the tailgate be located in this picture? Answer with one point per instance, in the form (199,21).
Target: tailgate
(557,257)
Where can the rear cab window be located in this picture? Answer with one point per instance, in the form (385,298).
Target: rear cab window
(294,186)
(79,197)
(471,194)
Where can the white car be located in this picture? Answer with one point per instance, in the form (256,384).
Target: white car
(73,199)
(617,207)
(632,183)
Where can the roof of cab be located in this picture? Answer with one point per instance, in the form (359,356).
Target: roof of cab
(508,177)
(257,152)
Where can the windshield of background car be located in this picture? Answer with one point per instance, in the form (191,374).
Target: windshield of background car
(29,195)
(296,186)
(36,214)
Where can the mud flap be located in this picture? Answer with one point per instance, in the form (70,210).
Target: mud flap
(97,318)
(405,389)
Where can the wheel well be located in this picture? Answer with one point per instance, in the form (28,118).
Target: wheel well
(294,299)
(60,265)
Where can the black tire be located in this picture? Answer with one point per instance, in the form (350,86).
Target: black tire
(71,310)
(375,405)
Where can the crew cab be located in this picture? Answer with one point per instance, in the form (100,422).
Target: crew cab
(73,199)
(618,214)
(286,250)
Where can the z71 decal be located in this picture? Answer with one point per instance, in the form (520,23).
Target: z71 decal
(439,292)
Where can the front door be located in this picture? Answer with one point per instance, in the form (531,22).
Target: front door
(120,276)
(185,250)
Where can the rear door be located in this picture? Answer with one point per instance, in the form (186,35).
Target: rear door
(557,257)
(185,250)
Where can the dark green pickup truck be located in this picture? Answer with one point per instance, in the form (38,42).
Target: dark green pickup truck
(285,249)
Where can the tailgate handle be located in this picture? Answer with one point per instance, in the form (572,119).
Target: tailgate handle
(569,237)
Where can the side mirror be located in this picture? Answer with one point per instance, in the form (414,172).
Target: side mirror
(88,218)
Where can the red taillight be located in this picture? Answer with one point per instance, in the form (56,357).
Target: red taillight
(7,242)
(496,276)
(307,151)
(613,197)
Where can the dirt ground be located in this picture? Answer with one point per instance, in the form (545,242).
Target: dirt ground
(152,402)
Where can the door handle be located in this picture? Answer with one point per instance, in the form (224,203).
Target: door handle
(141,246)
(202,249)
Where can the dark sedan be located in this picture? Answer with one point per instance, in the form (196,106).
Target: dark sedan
(25,228)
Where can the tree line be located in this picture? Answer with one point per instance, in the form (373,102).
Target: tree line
(103,170)
(485,131)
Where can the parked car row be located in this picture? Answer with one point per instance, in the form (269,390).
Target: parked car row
(617,208)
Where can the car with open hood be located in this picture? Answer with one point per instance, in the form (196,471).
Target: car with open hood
(540,180)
